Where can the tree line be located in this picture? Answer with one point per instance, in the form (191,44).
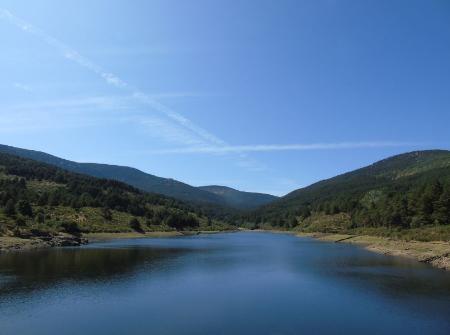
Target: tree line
(63,188)
(369,201)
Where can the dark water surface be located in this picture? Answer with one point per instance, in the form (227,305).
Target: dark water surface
(237,283)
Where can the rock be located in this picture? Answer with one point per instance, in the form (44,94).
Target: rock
(66,241)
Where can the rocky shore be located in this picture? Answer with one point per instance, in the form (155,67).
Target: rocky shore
(31,241)
(8,243)
(436,253)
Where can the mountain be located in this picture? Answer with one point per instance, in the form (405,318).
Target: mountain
(145,181)
(239,199)
(406,191)
(39,198)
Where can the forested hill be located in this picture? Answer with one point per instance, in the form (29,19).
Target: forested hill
(150,183)
(407,191)
(240,199)
(131,176)
(35,196)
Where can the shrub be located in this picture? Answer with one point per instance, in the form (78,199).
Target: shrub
(181,220)
(24,208)
(20,222)
(10,208)
(136,225)
(106,213)
(71,227)
(40,218)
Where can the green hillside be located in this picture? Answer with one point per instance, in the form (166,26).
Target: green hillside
(405,193)
(240,199)
(216,203)
(40,198)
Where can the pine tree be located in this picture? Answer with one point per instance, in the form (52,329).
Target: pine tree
(24,208)
(441,213)
(10,208)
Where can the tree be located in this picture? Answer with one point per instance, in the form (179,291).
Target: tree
(179,220)
(42,200)
(40,217)
(106,213)
(136,225)
(20,221)
(10,208)
(75,204)
(24,208)
(71,228)
(441,213)
(292,222)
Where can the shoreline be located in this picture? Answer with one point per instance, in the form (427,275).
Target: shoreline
(13,244)
(98,237)
(17,244)
(435,253)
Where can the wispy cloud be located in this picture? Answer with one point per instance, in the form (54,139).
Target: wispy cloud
(113,80)
(160,128)
(135,50)
(57,114)
(110,102)
(92,102)
(176,95)
(285,147)
(22,87)
(168,123)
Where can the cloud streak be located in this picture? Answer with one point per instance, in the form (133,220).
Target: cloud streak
(92,103)
(175,127)
(22,87)
(286,147)
(112,79)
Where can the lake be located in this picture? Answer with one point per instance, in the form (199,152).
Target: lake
(231,283)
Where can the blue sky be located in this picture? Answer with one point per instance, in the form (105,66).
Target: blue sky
(260,95)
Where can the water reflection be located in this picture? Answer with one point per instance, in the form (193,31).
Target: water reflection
(28,271)
(388,275)
(244,283)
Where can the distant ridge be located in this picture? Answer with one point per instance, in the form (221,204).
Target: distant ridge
(410,190)
(240,199)
(147,182)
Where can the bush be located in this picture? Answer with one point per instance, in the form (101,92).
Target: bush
(106,213)
(24,208)
(136,225)
(40,218)
(71,228)
(181,221)
(10,208)
(20,222)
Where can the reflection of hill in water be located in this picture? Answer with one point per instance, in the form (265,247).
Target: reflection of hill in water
(224,256)
(42,269)
(243,283)
(393,277)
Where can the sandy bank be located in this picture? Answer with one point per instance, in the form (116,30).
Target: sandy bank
(8,243)
(435,253)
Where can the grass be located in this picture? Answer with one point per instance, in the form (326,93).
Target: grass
(437,253)
(90,220)
(341,224)
(430,244)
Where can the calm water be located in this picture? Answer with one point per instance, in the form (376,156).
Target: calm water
(237,283)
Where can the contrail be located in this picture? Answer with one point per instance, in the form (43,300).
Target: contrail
(110,78)
(209,143)
(287,147)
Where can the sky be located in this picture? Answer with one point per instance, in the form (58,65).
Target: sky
(265,96)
